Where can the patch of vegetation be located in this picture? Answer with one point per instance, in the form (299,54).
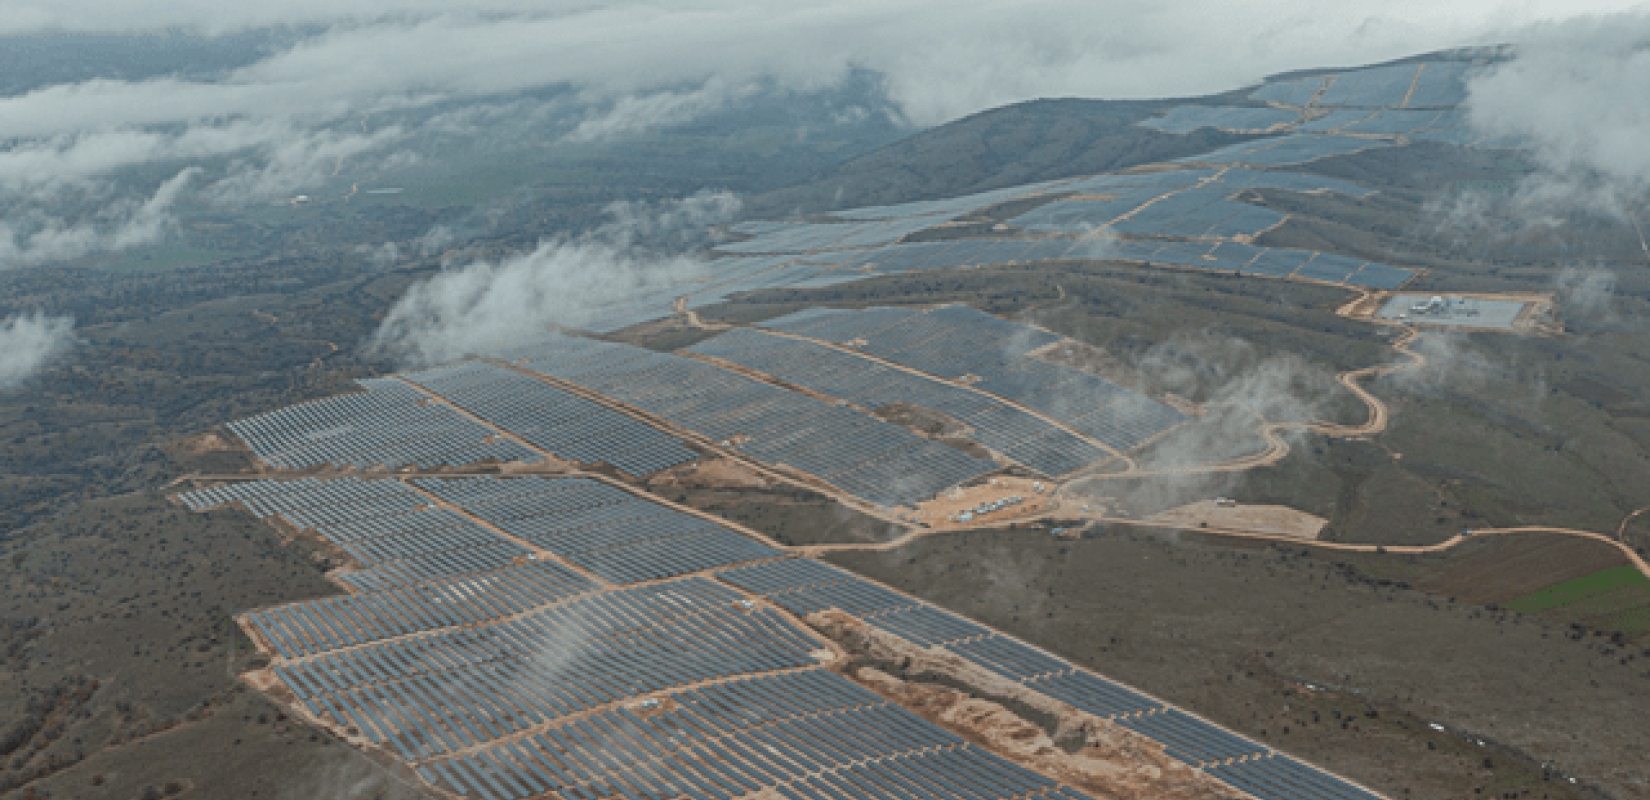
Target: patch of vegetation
(1616,598)
(160,259)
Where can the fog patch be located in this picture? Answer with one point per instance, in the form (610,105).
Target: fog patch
(1239,390)
(30,343)
(35,237)
(1586,298)
(492,305)
(486,306)
(632,114)
(435,241)
(687,223)
(381,256)
(1453,366)
(1571,100)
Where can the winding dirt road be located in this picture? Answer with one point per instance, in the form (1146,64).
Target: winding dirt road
(910,536)
(1621,530)
(1277,448)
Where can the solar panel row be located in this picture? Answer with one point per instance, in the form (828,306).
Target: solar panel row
(486,683)
(567,425)
(386,426)
(874,460)
(1185,119)
(611,533)
(956,341)
(1001,427)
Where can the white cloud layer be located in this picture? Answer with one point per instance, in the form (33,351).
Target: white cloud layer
(942,59)
(1575,94)
(284,122)
(30,343)
(487,306)
(37,238)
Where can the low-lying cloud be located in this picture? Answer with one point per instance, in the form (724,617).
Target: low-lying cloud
(30,343)
(362,83)
(1239,389)
(35,237)
(488,306)
(1573,96)
(492,305)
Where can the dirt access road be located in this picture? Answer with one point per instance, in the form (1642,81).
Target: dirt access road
(1377,421)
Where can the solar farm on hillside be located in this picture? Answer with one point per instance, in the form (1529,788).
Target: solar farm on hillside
(568,633)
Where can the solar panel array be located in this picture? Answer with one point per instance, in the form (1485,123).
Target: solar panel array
(606,531)
(1280,777)
(956,341)
(564,424)
(1185,119)
(1432,84)
(386,526)
(807,734)
(801,237)
(960,253)
(1197,214)
(1326,115)
(804,586)
(1278,151)
(1006,429)
(449,690)
(1268,261)
(854,451)
(390,425)
(1204,211)
(532,678)
(1420,101)
(1376,86)
(947,208)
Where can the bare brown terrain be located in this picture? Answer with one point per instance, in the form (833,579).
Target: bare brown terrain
(1276,520)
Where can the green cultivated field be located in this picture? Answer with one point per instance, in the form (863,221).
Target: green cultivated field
(1617,598)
